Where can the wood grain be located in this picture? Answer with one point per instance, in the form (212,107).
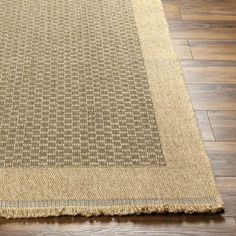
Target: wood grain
(204,125)
(227,187)
(164,225)
(182,48)
(172,11)
(223,124)
(213,96)
(209,71)
(223,157)
(202,30)
(213,49)
(208,10)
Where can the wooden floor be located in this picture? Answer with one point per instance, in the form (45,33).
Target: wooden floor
(204,35)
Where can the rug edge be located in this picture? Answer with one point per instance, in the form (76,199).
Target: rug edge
(170,55)
(215,206)
(210,207)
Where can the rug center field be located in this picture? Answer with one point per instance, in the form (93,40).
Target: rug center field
(73,89)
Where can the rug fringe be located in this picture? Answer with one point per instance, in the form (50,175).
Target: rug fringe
(104,210)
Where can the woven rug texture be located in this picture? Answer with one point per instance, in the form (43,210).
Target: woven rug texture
(95,118)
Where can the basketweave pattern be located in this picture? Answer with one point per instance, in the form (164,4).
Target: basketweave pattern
(73,88)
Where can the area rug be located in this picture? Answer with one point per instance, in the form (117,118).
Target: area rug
(95,116)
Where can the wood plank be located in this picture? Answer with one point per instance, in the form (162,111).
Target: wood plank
(171,11)
(223,157)
(202,30)
(204,125)
(173,15)
(213,96)
(208,10)
(172,225)
(209,71)
(227,187)
(223,125)
(177,2)
(182,49)
(211,16)
(213,49)
(192,63)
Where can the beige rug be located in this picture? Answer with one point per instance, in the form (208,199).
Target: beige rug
(95,116)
